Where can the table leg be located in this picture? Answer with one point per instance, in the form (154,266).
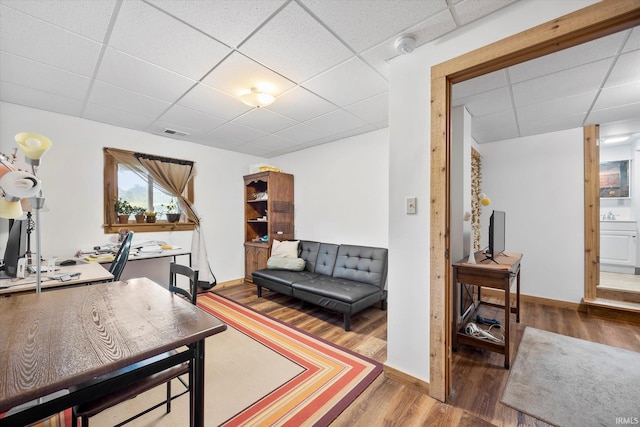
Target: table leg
(518,297)
(507,319)
(196,382)
(454,311)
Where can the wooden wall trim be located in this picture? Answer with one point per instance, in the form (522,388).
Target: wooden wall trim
(406,379)
(592,22)
(591,211)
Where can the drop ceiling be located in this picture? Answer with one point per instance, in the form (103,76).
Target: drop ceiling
(178,66)
(154,65)
(593,83)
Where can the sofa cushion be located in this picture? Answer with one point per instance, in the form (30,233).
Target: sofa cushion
(326,258)
(286,248)
(345,290)
(285,263)
(282,277)
(362,264)
(308,251)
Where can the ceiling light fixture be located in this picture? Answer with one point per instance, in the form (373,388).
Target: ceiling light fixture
(615,139)
(257,98)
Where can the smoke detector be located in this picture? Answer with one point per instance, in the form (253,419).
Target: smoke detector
(405,44)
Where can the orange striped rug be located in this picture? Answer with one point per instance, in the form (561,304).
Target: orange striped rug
(332,377)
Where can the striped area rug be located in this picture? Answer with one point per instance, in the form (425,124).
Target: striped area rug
(328,379)
(331,379)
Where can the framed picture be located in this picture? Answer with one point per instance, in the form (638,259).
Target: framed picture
(615,177)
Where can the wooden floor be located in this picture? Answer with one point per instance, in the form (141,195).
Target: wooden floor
(478,376)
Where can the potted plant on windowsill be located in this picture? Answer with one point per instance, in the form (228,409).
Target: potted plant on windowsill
(172,212)
(139,213)
(123,210)
(151,216)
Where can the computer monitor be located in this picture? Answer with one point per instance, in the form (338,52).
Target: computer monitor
(496,234)
(16,246)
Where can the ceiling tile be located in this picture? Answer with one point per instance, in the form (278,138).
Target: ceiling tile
(348,83)
(561,84)
(34,98)
(489,102)
(229,22)
(89,18)
(295,45)
(158,127)
(191,119)
(238,74)
(633,43)
(300,133)
(120,69)
(23,36)
(551,124)
(618,95)
(362,24)
(300,104)
(265,120)
(577,105)
(614,114)
(494,127)
(335,122)
(151,35)
(235,133)
(480,84)
(24,72)
(470,10)
(586,53)
(116,117)
(372,110)
(271,143)
(626,70)
(214,102)
(126,100)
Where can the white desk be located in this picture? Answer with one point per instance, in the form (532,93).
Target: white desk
(135,255)
(89,273)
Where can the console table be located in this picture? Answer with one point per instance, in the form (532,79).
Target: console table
(487,273)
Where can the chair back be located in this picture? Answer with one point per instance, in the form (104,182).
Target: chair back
(183,270)
(118,263)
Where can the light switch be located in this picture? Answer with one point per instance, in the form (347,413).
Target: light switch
(411,205)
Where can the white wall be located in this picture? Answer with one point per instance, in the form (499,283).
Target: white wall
(538,182)
(409,118)
(342,190)
(72,175)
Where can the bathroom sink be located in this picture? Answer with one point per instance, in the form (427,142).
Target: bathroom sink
(618,225)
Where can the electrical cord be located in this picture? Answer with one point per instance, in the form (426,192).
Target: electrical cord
(477,332)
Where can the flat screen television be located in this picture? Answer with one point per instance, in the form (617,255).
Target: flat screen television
(496,234)
(16,246)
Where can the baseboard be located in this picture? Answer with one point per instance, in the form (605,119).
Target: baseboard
(536,300)
(406,379)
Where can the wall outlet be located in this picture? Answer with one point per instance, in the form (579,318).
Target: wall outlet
(410,207)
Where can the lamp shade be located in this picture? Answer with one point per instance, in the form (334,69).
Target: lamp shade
(257,98)
(33,145)
(10,210)
(20,184)
(5,166)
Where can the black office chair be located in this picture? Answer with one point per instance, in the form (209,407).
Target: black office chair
(118,263)
(94,407)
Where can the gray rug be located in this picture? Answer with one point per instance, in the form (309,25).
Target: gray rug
(567,381)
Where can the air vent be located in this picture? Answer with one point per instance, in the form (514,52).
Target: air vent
(175,132)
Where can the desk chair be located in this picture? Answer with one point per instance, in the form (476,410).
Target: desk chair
(94,407)
(118,263)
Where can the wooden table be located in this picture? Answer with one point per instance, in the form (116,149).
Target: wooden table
(89,273)
(489,274)
(54,340)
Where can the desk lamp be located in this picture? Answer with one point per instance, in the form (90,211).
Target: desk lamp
(19,185)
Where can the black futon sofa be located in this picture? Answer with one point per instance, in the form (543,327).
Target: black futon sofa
(342,278)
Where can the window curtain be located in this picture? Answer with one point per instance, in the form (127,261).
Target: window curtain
(174,175)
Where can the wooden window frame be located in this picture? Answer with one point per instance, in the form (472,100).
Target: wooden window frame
(111,224)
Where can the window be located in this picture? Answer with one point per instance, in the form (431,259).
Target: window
(139,190)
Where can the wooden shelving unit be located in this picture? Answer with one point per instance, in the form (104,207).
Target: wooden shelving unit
(268,215)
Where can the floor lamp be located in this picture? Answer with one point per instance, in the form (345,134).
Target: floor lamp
(19,185)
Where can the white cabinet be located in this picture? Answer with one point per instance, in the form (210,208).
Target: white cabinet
(618,246)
